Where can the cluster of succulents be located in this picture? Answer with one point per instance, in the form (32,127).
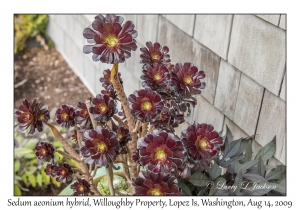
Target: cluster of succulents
(146,134)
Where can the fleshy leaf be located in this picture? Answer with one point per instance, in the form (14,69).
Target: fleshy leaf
(267,151)
(199,179)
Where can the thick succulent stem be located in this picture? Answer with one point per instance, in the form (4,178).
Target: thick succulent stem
(75,155)
(88,105)
(62,140)
(144,129)
(131,124)
(119,121)
(109,174)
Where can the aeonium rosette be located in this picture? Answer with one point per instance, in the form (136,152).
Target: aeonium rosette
(81,187)
(145,104)
(65,116)
(103,108)
(155,53)
(155,77)
(82,116)
(44,151)
(31,116)
(201,141)
(100,146)
(149,183)
(63,172)
(162,150)
(112,41)
(185,80)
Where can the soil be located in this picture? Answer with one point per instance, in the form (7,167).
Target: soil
(45,75)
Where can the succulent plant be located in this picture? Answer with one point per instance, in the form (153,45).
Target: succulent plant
(112,41)
(100,146)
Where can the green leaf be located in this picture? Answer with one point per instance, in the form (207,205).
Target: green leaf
(17,190)
(17,165)
(39,179)
(243,146)
(56,144)
(260,167)
(20,152)
(72,163)
(33,161)
(30,156)
(213,171)
(237,167)
(46,178)
(255,178)
(257,191)
(58,156)
(201,192)
(229,135)
(228,162)
(199,179)
(276,173)
(231,149)
(24,178)
(267,151)
(58,184)
(18,178)
(32,180)
(31,143)
(184,187)
(214,188)
(32,169)
(221,193)
(248,153)
(238,183)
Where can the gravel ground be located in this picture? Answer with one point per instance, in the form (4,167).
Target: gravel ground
(45,75)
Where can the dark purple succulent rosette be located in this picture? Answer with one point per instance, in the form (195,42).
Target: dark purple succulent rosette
(123,135)
(184,172)
(162,150)
(155,77)
(100,146)
(63,172)
(177,117)
(81,187)
(155,53)
(136,156)
(103,108)
(163,120)
(106,80)
(185,80)
(201,141)
(112,41)
(110,93)
(65,116)
(44,151)
(149,183)
(82,116)
(145,104)
(49,170)
(31,116)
